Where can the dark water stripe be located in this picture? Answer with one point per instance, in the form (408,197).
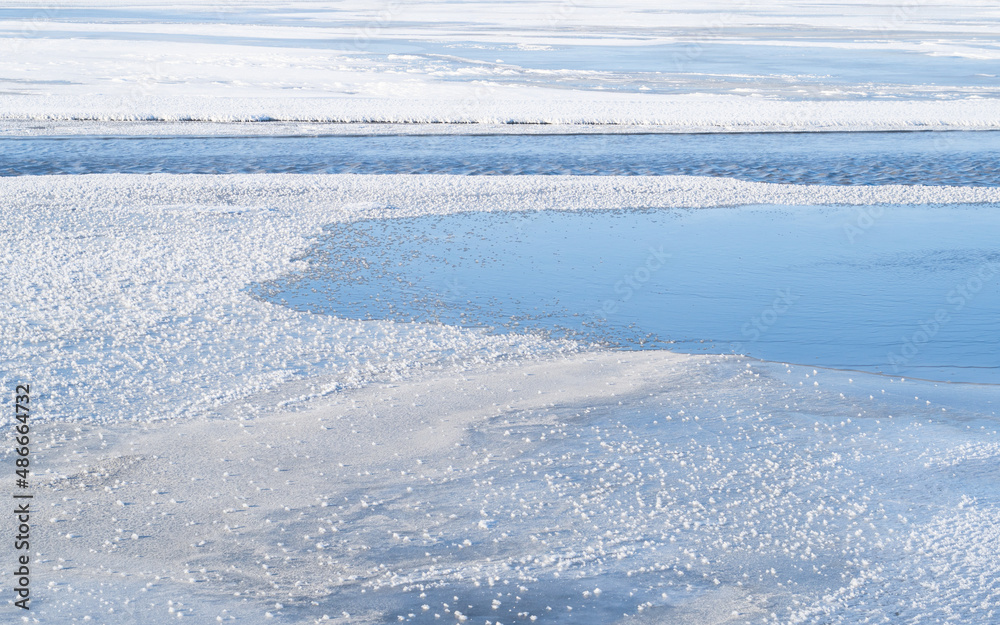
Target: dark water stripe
(932,158)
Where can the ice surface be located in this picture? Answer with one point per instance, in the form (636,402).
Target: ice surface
(488,478)
(597,488)
(711,66)
(898,290)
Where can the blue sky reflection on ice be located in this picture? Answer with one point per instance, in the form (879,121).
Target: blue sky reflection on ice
(845,287)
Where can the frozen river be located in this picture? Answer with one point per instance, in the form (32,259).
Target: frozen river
(317,332)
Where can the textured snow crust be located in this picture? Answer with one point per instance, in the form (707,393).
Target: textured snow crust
(130,293)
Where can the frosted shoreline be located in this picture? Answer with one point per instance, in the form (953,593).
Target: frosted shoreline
(19,128)
(568,112)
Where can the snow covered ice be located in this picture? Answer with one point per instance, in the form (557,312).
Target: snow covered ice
(207,449)
(691,488)
(712,66)
(424,462)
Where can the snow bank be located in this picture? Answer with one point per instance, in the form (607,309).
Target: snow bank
(694,113)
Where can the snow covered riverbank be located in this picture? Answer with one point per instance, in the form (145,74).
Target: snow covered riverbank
(687,113)
(721,67)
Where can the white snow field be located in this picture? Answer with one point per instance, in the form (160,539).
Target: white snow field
(205,455)
(711,66)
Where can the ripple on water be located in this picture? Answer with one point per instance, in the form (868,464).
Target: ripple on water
(932,158)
